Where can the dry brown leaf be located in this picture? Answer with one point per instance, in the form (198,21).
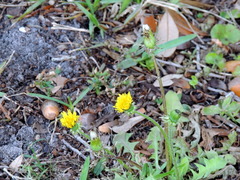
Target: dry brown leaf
(166,31)
(87,120)
(60,83)
(112,54)
(16,163)
(208,134)
(5,112)
(181,83)
(168,80)
(127,125)
(106,128)
(183,25)
(150,21)
(234,85)
(231,65)
(126,39)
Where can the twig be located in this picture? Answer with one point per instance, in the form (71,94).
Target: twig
(12,176)
(69,28)
(78,138)
(73,149)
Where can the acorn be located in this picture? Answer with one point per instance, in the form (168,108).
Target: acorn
(50,110)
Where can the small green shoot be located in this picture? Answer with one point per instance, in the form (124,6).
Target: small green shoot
(224,107)
(215,59)
(93,21)
(235,13)
(194,81)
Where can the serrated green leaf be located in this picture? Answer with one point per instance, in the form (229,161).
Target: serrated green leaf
(121,141)
(154,138)
(211,110)
(232,137)
(211,165)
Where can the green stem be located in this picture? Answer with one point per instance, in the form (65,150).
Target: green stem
(84,134)
(167,141)
(169,160)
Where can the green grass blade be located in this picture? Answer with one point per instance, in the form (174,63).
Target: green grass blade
(48,98)
(90,16)
(124,5)
(90,6)
(174,43)
(31,8)
(83,93)
(85,169)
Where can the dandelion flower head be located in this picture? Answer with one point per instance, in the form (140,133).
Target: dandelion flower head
(124,102)
(69,119)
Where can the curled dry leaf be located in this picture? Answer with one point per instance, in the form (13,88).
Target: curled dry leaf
(234,85)
(60,83)
(231,65)
(166,31)
(183,25)
(16,163)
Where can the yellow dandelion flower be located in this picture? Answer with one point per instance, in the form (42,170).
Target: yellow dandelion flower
(124,102)
(69,119)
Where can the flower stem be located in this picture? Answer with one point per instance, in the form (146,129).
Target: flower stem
(167,141)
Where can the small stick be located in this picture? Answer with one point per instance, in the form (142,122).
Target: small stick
(73,149)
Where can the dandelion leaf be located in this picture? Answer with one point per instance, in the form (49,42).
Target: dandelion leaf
(122,141)
(154,138)
(211,165)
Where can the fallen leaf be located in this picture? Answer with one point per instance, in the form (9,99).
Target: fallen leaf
(127,125)
(166,31)
(183,26)
(234,85)
(168,80)
(86,120)
(182,83)
(106,128)
(208,134)
(60,83)
(231,65)
(16,163)
(5,112)
(150,21)
(126,39)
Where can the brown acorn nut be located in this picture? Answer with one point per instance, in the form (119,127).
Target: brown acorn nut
(50,110)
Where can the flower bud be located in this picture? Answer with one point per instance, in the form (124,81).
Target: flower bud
(149,39)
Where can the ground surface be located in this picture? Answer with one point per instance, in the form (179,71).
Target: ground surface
(39,49)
